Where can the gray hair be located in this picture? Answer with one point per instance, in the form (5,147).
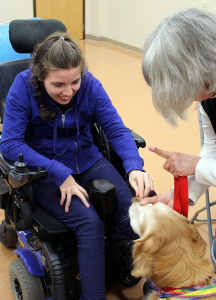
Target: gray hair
(179,60)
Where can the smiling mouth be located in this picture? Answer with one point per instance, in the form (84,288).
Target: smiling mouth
(65,98)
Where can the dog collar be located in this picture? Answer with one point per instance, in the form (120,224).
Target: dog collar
(191,293)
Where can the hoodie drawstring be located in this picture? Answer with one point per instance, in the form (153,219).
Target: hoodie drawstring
(77,120)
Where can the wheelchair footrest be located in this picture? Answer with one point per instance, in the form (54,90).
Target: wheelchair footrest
(102,195)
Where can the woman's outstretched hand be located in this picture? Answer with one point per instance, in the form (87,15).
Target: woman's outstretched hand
(166,198)
(178,164)
(141,182)
(69,188)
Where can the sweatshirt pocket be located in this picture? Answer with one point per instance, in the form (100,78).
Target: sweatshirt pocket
(61,146)
(85,140)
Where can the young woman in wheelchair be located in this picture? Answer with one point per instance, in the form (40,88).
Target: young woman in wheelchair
(59,99)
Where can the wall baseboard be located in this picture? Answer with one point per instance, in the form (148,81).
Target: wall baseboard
(113,42)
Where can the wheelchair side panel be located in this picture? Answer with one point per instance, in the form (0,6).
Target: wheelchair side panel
(31,259)
(31,262)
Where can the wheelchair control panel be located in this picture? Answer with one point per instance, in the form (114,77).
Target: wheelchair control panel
(19,181)
(20,175)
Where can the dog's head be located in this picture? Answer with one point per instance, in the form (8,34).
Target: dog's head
(170,251)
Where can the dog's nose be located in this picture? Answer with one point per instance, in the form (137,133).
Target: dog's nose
(135,199)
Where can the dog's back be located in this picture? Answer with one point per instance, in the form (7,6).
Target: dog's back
(170,251)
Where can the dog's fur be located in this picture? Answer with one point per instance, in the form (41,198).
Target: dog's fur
(170,251)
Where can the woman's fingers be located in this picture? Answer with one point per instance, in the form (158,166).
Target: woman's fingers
(151,183)
(160,152)
(140,186)
(68,202)
(178,164)
(151,200)
(148,182)
(137,182)
(70,198)
(83,198)
(69,188)
(83,191)
(63,196)
(166,198)
(145,185)
(141,182)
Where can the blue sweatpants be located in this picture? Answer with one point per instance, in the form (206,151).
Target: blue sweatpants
(86,224)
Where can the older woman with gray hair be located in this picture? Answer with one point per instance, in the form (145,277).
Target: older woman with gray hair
(179,63)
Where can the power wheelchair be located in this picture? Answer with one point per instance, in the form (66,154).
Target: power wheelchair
(47,264)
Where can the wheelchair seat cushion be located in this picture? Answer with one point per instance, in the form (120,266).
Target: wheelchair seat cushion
(50,229)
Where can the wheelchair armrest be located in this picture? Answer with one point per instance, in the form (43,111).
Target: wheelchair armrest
(100,140)
(6,164)
(140,142)
(102,195)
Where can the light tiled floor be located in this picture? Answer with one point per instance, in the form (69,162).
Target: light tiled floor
(120,72)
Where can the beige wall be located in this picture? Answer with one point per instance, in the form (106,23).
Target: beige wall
(131,21)
(15,9)
(125,21)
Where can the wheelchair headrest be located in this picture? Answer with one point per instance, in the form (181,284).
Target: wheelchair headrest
(26,34)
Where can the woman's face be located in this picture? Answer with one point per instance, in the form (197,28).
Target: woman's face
(204,95)
(62,84)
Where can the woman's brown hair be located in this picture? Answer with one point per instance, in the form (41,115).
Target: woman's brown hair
(59,51)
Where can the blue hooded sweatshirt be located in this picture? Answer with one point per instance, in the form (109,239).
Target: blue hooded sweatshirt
(65,145)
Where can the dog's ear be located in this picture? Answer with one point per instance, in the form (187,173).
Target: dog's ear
(142,256)
(200,247)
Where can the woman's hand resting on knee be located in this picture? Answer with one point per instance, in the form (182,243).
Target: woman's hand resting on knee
(69,188)
(141,182)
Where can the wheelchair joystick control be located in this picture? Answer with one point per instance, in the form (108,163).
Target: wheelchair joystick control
(20,165)
(21,176)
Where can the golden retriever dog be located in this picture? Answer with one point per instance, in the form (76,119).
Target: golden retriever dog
(170,251)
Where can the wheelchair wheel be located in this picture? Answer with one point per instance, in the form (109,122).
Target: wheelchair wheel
(125,268)
(24,285)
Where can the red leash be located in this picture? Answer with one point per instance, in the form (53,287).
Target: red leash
(181,195)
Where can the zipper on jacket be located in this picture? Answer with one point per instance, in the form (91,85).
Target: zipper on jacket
(76,157)
(63,121)
(63,116)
